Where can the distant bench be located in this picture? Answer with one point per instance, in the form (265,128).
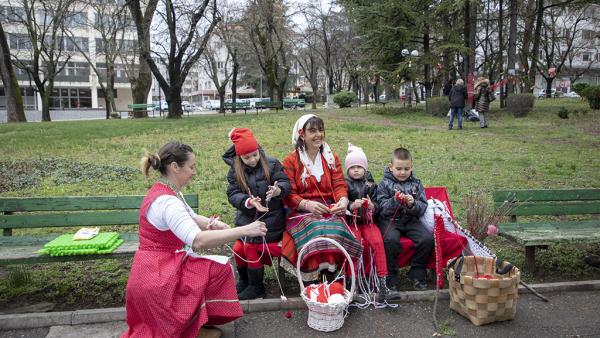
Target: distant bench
(540,234)
(70,212)
(136,107)
(269,105)
(238,106)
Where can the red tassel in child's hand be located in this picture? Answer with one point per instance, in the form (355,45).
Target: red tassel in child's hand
(288,314)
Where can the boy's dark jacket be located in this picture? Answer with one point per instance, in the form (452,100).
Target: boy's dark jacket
(388,204)
(258,185)
(358,189)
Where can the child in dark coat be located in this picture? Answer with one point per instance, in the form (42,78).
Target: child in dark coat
(257,187)
(402,202)
(362,193)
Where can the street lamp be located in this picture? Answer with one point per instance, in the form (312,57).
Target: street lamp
(409,55)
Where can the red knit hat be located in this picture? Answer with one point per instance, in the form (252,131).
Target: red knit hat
(243,140)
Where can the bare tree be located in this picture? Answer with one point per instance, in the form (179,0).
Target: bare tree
(45,56)
(268,30)
(560,35)
(110,22)
(180,34)
(217,67)
(231,34)
(308,59)
(12,92)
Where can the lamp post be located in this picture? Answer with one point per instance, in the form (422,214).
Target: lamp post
(409,56)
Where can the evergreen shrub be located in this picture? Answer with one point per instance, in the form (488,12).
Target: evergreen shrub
(344,98)
(520,104)
(437,106)
(592,94)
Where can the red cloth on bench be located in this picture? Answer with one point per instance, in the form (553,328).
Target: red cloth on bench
(452,244)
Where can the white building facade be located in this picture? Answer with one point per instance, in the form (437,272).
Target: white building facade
(77,85)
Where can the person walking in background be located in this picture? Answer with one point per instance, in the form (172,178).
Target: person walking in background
(171,291)
(483,96)
(457,98)
(257,188)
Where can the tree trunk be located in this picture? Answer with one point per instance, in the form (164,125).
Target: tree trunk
(221,91)
(525,50)
(46,104)
(427,65)
(236,69)
(141,87)
(174,101)
(12,92)
(315,88)
(107,104)
(501,48)
(512,45)
(535,50)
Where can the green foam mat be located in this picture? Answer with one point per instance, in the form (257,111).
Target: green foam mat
(65,245)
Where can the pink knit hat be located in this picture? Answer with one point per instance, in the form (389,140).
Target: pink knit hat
(356,156)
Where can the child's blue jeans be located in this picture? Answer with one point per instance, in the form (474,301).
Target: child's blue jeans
(453,112)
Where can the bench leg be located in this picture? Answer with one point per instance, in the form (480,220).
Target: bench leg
(7,232)
(530,258)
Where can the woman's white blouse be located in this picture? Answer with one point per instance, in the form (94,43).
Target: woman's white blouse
(170,213)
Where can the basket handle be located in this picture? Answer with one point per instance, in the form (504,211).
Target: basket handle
(340,247)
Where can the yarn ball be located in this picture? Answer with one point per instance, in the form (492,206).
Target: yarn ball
(336,288)
(337,298)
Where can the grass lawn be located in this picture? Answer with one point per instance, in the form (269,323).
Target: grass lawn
(101,158)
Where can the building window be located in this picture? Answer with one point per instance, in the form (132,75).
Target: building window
(71,43)
(62,98)
(586,57)
(588,34)
(220,65)
(19,41)
(76,19)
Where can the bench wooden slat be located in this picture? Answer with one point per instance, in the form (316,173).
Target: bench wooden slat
(20,252)
(546,195)
(74,203)
(73,219)
(546,233)
(555,208)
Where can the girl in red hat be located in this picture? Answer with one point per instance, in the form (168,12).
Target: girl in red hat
(257,187)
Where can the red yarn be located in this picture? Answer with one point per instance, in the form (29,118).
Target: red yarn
(336,288)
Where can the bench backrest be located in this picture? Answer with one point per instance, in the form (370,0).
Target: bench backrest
(550,202)
(73,211)
(141,106)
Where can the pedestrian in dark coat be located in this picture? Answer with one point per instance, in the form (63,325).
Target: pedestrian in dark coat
(483,96)
(457,98)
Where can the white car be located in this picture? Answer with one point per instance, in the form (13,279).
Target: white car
(542,93)
(212,104)
(572,94)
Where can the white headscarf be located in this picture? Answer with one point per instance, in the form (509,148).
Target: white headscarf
(326,152)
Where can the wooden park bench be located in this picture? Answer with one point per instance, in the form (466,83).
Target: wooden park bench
(238,106)
(540,234)
(136,107)
(20,216)
(269,105)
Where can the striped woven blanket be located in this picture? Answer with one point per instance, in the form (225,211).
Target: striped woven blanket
(319,255)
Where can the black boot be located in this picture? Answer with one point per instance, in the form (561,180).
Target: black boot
(256,288)
(384,291)
(243,279)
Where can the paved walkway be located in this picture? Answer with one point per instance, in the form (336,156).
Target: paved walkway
(568,314)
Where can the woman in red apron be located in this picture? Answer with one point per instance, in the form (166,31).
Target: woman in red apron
(171,291)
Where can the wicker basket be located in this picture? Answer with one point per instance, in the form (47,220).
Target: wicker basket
(323,316)
(483,300)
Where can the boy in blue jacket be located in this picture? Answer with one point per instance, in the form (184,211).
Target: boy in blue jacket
(402,201)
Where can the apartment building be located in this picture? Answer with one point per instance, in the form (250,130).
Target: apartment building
(77,85)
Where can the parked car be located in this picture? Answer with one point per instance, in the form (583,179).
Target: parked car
(382,97)
(161,105)
(188,107)
(572,94)
(542,93)
(212,104)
